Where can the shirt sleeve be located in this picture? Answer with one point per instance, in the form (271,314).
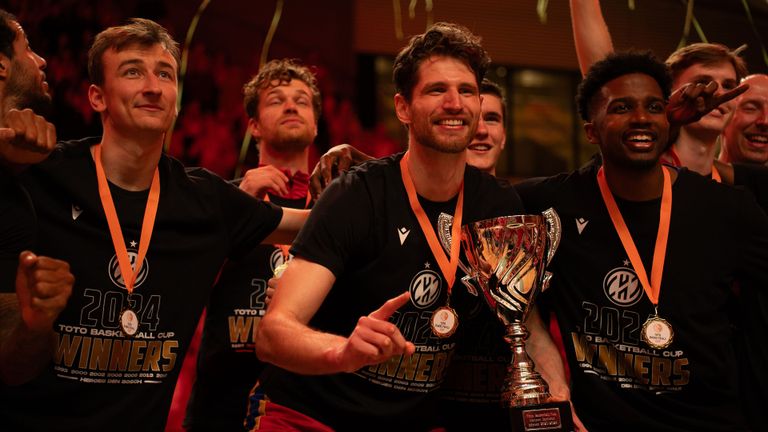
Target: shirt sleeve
(339,225)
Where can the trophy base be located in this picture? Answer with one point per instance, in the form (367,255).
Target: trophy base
(546,417)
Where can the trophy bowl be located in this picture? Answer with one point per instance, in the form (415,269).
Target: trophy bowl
(507,257)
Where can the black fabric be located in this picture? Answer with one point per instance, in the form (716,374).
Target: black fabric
(753,314)
(355,230)
(227,366)
(100,380)
(619,383)
(17,228)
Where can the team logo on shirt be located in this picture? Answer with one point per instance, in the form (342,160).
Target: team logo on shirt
(622,286)
(425,288)
(117,276)
(277,258)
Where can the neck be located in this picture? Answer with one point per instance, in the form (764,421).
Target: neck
(635,185)
(696,150)
(437,176)
(130,163)
(292,161)
(724,156)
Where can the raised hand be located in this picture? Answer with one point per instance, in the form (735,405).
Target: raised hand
(693,101)
(43,286)
(374,339)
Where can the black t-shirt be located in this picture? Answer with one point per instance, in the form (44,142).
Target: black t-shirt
(99,379)
(619,383)
(17,228)
(753,314)
(364,231)
(227,366)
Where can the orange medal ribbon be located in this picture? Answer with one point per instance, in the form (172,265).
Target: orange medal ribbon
(716,174)
(653,288)
(447,266)
(129,273)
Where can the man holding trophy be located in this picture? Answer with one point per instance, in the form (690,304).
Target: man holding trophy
(371,245)
(642,276)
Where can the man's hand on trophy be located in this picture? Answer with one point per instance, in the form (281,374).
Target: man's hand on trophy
(374,339)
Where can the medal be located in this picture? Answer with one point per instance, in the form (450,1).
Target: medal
(129,322)
(444,321)
(279,270)
(656,332)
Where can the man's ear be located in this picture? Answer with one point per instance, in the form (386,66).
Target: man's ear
(253,127)
(96,98)
(5,66)
(589,129)
(402,109)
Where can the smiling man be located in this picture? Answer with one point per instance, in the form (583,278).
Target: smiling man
(145,239)
(745,138)
(639,292)
(361,328)
(491,136)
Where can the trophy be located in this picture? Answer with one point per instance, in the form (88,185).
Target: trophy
(506,258)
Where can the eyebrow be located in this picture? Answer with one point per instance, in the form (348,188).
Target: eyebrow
(277,90)
(162,64)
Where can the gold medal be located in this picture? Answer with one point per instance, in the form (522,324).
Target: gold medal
(444,322)
(129,322)
(279,270)
(657,332)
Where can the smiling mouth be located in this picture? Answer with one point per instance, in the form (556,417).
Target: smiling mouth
(480,147)
(451,123)
(640,140)
(757,140)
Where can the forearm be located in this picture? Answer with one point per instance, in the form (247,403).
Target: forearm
(24,353)
(546,356)
(590,33)
(278,337)
(289,227)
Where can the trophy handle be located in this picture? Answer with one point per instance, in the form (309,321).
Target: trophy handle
(444,226)
(546,280)
(554,230)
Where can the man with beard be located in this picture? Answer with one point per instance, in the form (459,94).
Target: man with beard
(370,245)
(283,104)
(42,284)
(642,277)
(145,239)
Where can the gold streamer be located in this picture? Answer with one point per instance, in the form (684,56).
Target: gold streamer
(687,25)
(183,68)
(262,61)
(754,29)
(398,19)
(428,7)
(541,10)
(631,5)
(412,9)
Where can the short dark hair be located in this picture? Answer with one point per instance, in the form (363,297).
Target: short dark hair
(491,87)
(7,33)
(441,39)
(282,71)
(706,54)
(140,31)
(614,66)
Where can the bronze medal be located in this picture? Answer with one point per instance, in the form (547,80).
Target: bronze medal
(129,322)
(444,322)
(657,332)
